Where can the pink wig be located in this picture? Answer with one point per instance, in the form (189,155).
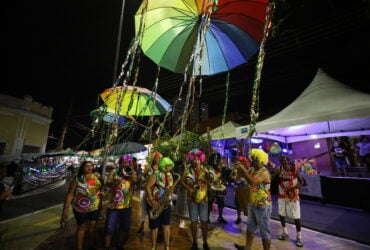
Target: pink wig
(125,158)
(193,154)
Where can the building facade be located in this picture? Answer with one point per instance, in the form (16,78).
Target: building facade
(24,125)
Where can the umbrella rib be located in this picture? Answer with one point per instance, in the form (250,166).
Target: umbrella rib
(172,30)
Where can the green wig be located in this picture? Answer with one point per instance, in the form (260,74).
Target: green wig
(165,161)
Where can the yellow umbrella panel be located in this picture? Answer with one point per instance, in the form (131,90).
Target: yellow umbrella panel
(135,101)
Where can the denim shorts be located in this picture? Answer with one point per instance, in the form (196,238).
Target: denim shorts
(118,216)
(341,162)
(259,216)
(198,211)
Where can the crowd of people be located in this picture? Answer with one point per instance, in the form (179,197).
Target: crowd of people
(347,154)
(198,186)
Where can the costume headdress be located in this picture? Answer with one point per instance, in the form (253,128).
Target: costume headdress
(156,155)
(164,162)
(152,156)
(259,155)
(193,154)
(125,158)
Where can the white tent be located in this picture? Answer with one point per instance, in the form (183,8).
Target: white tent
(326,108)
(225,131)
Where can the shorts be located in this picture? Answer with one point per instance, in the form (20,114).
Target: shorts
(163,219)
(341,162)
(219,199)
(83,217)
(290,209)
(259,216)
(120,216)
(198,211)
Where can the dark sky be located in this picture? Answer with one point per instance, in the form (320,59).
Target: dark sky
(64,50)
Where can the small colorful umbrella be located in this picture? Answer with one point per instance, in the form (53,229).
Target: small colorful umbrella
(107,114)
(218,34)
(134,101)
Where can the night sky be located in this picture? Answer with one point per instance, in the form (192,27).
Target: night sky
(59,51)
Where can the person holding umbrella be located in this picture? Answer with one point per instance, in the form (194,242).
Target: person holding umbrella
(121,183)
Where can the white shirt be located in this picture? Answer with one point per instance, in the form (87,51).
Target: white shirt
(364,148)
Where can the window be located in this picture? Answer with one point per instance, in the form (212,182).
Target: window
(31,149)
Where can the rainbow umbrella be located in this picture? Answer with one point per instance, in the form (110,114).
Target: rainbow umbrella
(214,36)
(134,101)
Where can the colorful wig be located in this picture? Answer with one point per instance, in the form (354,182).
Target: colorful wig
(125,158)
(152,156)
(164,162)
(214,159)
(193,154)
(156,155)
(259,155)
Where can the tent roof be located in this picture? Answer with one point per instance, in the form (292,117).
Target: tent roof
(326,108)
(225,131)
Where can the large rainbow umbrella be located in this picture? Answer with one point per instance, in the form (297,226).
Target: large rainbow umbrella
(215,36)
(134,101)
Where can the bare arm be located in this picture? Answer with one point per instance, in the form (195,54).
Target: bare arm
(276,173)
(262,177)
(299,178)
(68,200)
(134,177)
(149,183)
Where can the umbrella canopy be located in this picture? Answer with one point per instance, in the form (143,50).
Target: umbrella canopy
(108,115)
(126,148)
(229,31)
(135,101)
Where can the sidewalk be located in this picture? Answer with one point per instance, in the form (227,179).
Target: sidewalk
(40,231)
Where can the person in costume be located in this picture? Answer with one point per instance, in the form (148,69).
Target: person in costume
(148,171)
(84,195)
(260,202)
(215,169)
(181,208)
(121,184)
(196,180)
(290,180)
(240,188)
(159,190)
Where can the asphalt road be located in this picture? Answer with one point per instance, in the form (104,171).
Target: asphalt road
(31,202)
